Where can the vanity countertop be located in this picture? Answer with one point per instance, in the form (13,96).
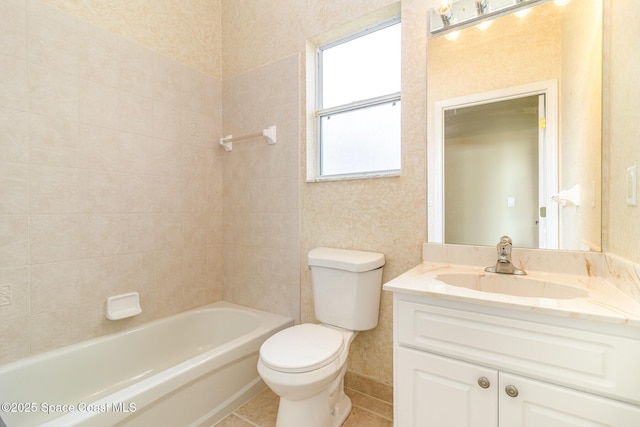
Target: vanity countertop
(604,302)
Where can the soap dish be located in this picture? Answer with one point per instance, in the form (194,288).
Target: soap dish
(123,306)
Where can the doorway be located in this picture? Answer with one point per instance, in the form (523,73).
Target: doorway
(499,168)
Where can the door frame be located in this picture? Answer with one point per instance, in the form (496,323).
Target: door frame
(549,235)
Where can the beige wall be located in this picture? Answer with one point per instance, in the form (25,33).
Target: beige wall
(385,215)
(187,31)
(622,133)
(581,123)
(258,32)
(110,180)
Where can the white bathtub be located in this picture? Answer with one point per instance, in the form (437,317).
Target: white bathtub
(189,369)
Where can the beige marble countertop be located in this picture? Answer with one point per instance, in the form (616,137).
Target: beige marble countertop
(604,301)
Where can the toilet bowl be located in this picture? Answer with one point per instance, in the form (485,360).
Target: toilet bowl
(305,364)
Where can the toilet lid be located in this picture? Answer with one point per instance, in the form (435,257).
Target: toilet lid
(302,348)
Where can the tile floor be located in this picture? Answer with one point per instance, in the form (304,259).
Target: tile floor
(261,411)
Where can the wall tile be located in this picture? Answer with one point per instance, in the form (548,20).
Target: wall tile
(13,85)
(97,196)
(167,122)
(140,193)
(101,235)
(98,104)
(261,220)
(99,278)
(167,82)
(99,192)
(15,334)
(54,238)
(139,233)
(53,189)
(171,195)
(52,92)
(53,140)
(99,55)
(14,188)
(193,91)
(136,69)
(136,114)
(168,157)
(168,231)
(52,42)
(13,128)
(17,279)
(169,269)
(54,286)
(14,246)
(137,271)
(136,153)
(99,148)
(13,30)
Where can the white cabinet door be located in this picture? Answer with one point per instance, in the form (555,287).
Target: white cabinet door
(433,391)
(539,404)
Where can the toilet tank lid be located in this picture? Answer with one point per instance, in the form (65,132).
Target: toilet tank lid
(345,259)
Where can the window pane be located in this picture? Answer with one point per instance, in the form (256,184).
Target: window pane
(364,140)
(362,68)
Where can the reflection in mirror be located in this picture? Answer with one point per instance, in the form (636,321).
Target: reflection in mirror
(491,156)
(550,44)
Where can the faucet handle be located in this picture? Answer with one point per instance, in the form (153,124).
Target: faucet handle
(504,249)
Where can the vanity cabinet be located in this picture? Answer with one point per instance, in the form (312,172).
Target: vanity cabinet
(459,368)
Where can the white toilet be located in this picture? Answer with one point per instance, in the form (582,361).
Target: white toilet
(305,364)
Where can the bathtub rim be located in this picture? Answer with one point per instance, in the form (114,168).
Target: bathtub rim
(147,391)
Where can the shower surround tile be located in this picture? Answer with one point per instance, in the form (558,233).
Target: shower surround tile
(102,192)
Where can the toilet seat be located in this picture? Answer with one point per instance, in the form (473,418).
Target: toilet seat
(302,348)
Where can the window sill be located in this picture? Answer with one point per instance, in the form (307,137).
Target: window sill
(349,177)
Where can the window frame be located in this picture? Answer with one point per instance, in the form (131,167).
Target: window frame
(320,112)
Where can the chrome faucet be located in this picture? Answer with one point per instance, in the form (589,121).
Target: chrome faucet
(504,265)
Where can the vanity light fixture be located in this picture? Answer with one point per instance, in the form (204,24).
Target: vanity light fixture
(481,7)
(445,12)
(452,15)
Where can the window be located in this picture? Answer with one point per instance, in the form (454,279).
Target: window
(358,104)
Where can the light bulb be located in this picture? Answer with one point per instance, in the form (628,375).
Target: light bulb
(445,6)
(522,12)
(445,11)
(484,25)
(561,2)
(452,36)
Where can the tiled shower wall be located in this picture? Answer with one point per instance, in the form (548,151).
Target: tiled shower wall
(110,176)
(261,193)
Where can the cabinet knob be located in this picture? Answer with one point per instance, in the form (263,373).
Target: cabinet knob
(511,390)
(484,382)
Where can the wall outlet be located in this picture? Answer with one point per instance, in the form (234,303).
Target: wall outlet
(632,186)
(5,294)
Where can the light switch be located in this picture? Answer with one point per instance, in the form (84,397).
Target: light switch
(511,202)
(632,186)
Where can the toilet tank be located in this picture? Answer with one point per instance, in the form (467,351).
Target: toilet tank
(346,287)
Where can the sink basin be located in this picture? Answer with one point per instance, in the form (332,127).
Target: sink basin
(507,284)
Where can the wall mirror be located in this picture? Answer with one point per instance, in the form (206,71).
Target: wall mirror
(515,126)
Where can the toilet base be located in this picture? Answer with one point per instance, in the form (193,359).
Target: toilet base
(329,408)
